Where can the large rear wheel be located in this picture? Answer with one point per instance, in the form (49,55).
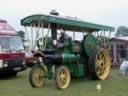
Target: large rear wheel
(37,76)
(62,77)
(99,64)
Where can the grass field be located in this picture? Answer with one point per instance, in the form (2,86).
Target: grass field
(115,85)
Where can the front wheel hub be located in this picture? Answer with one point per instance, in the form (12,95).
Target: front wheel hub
(62,77)
(37,76)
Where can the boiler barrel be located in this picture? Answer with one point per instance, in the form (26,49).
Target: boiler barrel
(62,58)
(70,58)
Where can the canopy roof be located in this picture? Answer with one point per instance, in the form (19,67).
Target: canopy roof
(70,24)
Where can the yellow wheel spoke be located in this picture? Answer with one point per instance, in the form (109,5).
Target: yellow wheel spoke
(38,76)
(63,77)
(102,64)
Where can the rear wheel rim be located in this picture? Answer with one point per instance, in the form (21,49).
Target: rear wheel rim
(102,64)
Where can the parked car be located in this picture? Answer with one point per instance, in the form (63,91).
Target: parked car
(12,52)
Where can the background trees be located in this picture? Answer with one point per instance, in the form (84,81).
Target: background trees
(122,31)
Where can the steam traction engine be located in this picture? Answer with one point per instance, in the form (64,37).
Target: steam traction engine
(66,57)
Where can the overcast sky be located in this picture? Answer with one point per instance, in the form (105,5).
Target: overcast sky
(107,12)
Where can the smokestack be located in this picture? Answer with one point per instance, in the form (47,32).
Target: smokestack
(54,12)
(54,28)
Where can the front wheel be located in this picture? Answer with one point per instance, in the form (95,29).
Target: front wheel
(37,76)
(99,64)
(62,77)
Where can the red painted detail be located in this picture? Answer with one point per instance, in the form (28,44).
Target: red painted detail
(89,45)
(6,56)
(31,60)
(76,48)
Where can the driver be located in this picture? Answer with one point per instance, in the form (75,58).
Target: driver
(64,37)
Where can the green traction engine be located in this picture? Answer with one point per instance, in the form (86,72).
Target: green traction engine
(65,57)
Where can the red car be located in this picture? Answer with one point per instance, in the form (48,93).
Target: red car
(12,53)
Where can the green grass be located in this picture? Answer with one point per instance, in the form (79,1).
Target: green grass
(115,85)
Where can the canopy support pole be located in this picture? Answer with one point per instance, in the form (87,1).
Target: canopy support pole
(45,43)
(104,39)
(73,36)
(42,26)
(37,34)
(26,31)
(32,36)
(109,40)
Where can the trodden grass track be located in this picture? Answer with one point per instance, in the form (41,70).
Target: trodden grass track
(115,85)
